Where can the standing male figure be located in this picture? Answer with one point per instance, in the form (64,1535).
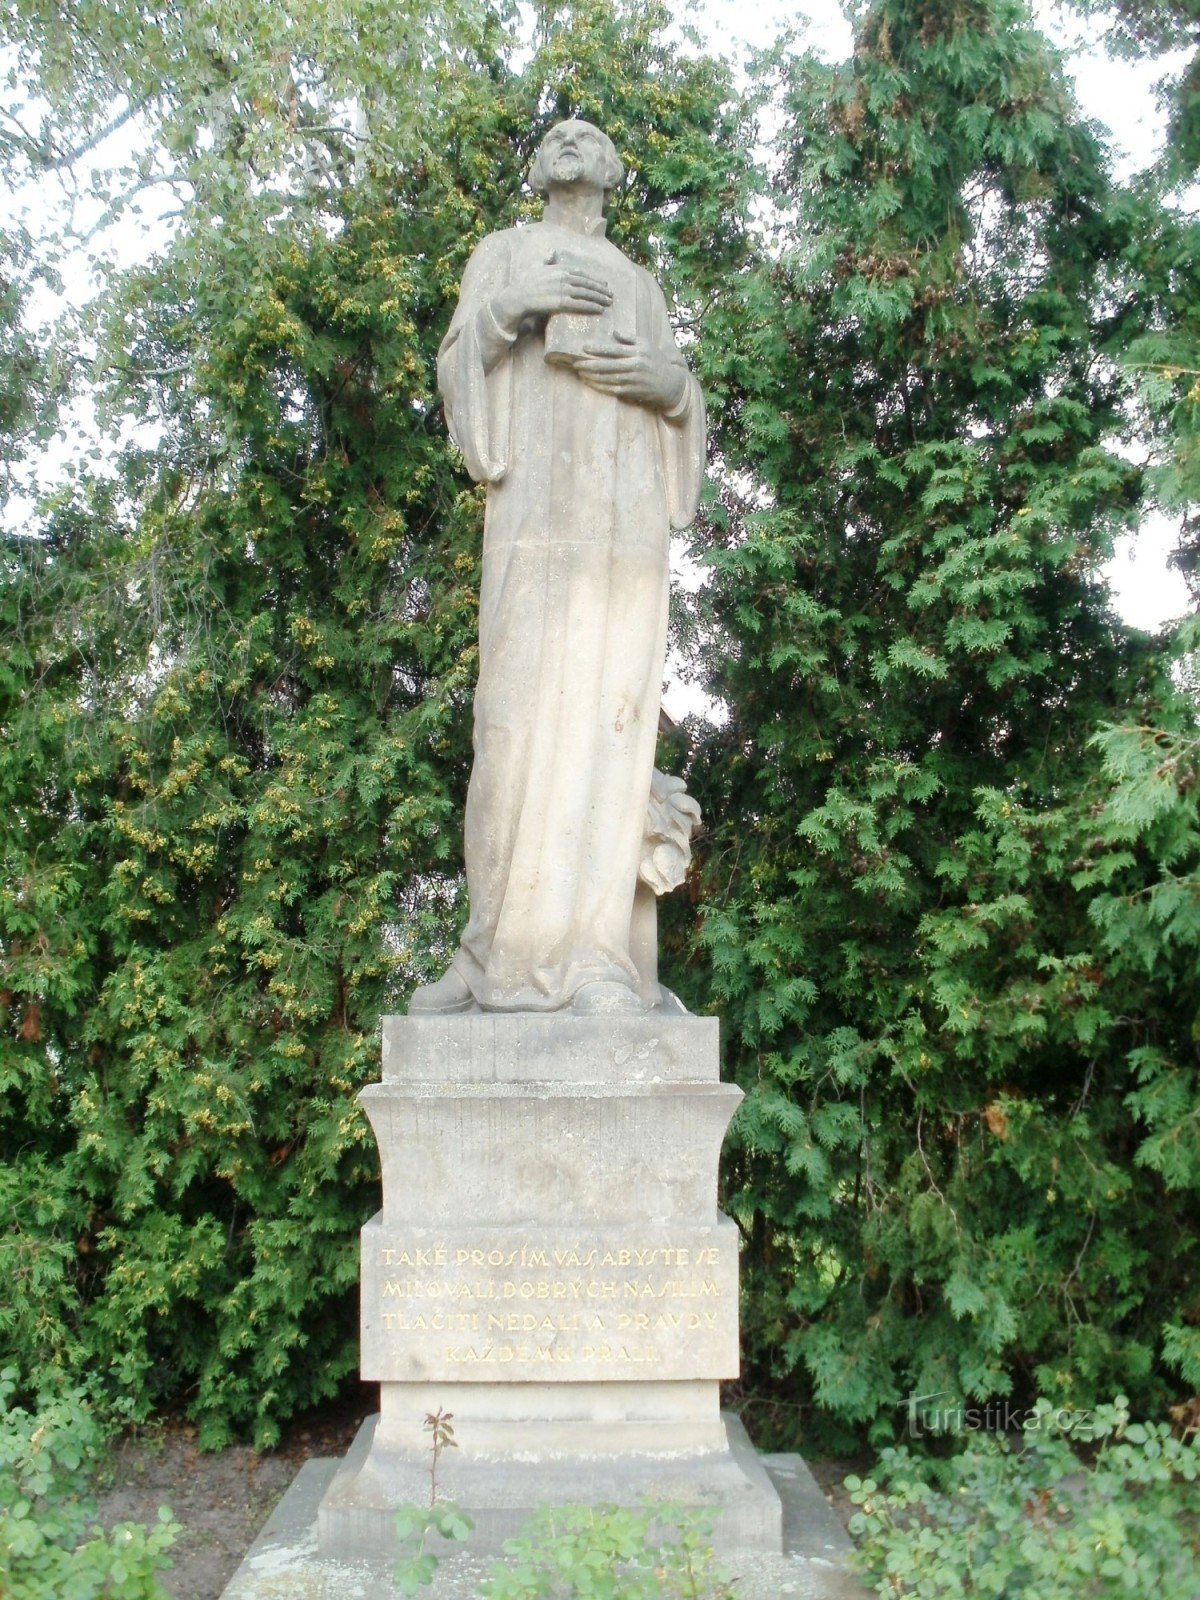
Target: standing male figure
(567,395)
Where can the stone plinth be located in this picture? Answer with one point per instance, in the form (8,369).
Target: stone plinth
(550,1266)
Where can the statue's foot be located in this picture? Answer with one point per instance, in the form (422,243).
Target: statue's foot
(603,997)
(446,997)
(668,1002)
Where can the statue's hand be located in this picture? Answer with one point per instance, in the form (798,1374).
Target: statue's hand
(557,286)
(635,370)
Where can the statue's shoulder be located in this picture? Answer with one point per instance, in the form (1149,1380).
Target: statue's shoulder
(524,236)
(641,272)
(495,244)
(490,260)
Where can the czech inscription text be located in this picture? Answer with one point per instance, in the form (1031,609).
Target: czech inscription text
(658,1309)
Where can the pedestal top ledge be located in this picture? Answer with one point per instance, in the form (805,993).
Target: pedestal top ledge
(556,1047)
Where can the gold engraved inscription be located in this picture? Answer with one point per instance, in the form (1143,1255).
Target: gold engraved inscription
(555,1305)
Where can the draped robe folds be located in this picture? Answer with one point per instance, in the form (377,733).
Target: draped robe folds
(583,491)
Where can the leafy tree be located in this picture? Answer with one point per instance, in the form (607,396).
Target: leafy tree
(1166,353)
(237,666)
(234,753)
(948,906)
(22,371)
(936,902)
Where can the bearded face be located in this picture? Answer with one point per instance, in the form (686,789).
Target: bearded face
(575,152)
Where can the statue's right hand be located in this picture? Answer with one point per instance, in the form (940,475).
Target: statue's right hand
(557,286)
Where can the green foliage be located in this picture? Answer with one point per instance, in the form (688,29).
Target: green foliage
(414,1526)
(236,661)
(947,902)
(1166,355)
(1037,1521)
(655,1552)
(610,1553)
(950,932)
(26,387)
(49,1543)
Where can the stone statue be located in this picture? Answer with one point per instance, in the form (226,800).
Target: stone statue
(567,395)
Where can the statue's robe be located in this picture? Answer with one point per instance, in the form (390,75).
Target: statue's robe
(583,491)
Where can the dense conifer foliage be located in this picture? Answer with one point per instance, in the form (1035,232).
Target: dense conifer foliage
(947,901)
(950,905)
(1167,356)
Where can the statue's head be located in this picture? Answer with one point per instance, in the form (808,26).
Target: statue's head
(576,152)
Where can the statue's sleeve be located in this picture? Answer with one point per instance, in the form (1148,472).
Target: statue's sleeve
(682,429)
(478,401)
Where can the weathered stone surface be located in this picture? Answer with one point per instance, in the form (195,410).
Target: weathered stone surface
(810,1524)
(528,1047)
(576,1155)
(578,1121)
(358,1510)
(557,1421)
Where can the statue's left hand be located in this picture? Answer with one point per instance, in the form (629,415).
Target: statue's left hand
(634,370)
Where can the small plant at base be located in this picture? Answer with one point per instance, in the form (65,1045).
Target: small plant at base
(441,1438)
(49,1541)
(1037,1522)
(611,1553)
(414,1524)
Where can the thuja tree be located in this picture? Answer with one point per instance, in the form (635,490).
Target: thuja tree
(237,667)
(1166,358)
(953,937)
(232,751)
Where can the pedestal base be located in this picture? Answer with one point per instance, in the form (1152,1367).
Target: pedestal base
(355,1521)
(283,1563)
(550,1267)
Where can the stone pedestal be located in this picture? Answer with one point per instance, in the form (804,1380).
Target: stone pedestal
(549,1266)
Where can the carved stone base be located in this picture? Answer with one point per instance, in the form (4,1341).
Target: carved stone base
(550,1267)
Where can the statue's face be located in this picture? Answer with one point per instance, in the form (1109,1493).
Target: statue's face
(574,153)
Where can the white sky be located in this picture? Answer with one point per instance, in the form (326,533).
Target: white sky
(1117,94)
